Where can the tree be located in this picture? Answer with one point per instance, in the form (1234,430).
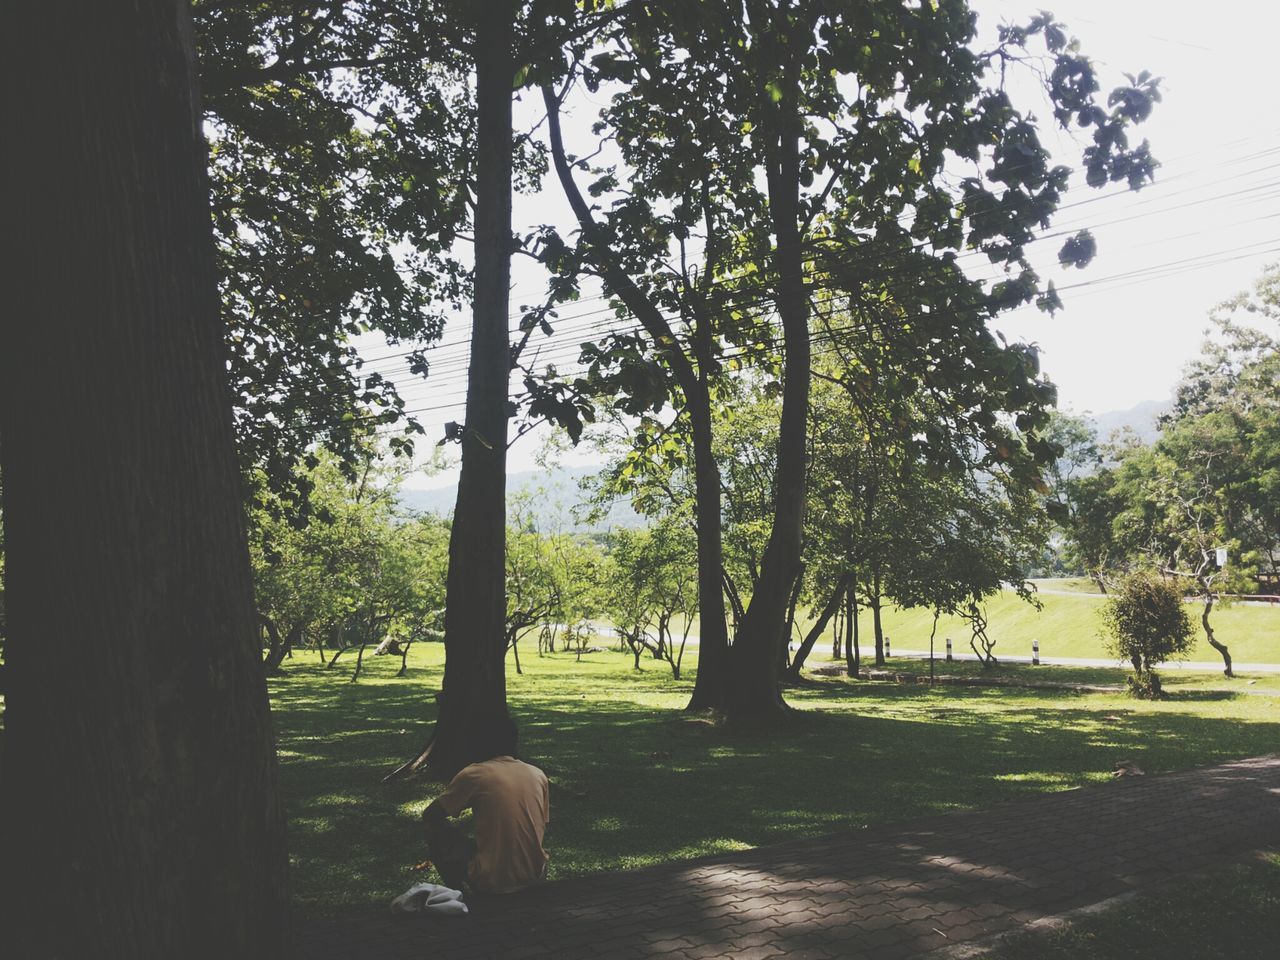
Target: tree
(654,590)
(1179,505)
(475,636)
(1077,499)
(340,176)
(1147,624)
(736,102)
(140,580)
(1237,380)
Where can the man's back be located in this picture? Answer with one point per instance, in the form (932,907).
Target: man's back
(512,805)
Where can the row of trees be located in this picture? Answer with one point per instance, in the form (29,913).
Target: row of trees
(1209,482)
(817,152)
(764,160)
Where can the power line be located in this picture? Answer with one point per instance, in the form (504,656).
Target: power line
(557,348)
(1148,274)
(457,355)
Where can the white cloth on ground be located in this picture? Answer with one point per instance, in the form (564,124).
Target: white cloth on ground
(430,898)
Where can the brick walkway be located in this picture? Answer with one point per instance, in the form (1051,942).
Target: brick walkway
(899,890)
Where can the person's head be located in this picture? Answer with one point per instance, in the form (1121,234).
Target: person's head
(493,734)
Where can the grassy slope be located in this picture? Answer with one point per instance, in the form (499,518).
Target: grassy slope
(636,782)
(1070,626)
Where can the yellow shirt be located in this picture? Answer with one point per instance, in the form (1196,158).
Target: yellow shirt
(511,804)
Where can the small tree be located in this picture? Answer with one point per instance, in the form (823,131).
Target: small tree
(1147,624)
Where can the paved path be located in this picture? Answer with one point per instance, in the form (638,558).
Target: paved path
(896,891)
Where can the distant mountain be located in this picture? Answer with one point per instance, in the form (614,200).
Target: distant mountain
(1140,418)
(558,501)
(556,498)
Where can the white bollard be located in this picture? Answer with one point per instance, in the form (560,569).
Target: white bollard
(948,649)
(1035,653)
(887,652)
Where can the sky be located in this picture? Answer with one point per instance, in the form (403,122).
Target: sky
(1201,233)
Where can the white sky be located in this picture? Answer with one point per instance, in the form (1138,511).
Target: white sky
(1209,223)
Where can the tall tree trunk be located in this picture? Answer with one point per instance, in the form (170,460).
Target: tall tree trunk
(1213,641)
(824,617)
(139,767)
(754,655)
(475,607)
(711,685)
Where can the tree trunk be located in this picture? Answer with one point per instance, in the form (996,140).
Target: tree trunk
(355,674)
(874,603)
(1213,641)
(139,767)
(711,685)
(280,647)
(852,652)
(754,656)
(788,629)
(828,611)
(735,599)
(475,608)
(514,643)
(711,682)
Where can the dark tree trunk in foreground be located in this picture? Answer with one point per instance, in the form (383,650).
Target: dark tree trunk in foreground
(140,811)
(754,656)
(475,640)
(711,684)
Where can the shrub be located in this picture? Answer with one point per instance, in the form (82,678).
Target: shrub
(1146,623)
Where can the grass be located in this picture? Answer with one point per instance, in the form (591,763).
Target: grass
(1173,678)
(1069,584)
(1071,626)
(636,781)
(1233,914)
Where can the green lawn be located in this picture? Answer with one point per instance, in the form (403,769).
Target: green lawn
(1233,914)
(1173,677)
(1070,626)
(635,781)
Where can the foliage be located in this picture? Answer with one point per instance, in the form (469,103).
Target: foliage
(653,591)
(359,569)
(922,525)
(1233,390)
(796,142)
(1147,624)
(554,581)
(340,163)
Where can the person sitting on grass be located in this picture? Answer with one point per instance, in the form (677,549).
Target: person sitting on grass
(511,806)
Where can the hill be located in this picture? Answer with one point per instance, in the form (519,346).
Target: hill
(556,500)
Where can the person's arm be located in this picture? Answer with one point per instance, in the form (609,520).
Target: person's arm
(435,814)
(457,796)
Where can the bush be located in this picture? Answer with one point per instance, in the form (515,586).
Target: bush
(1146,624)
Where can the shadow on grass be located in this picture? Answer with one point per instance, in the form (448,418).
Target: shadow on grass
(637,782)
